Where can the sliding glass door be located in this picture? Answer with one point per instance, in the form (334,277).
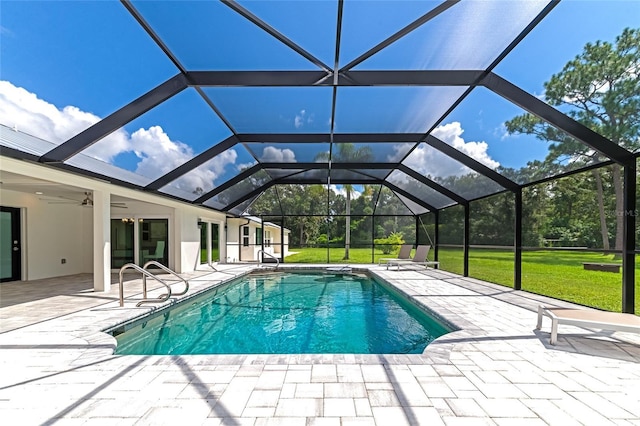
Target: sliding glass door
(122,242)
(209,242)
(154,238)
(139,240)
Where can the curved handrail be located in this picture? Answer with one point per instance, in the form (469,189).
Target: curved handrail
(271,256)
(164,268)
(145,274)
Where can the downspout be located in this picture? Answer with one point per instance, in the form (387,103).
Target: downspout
(240,239)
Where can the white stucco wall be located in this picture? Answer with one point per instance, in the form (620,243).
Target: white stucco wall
(250,254)
(57,231)
(53,232)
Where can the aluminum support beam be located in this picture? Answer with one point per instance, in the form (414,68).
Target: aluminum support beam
(471,163)
(228,184)
(431,184)
(411,78)
(436,234)
(517,261)
(192,164)
(409,196)
(258,78)
(442,7)
(249,195)
(629,239)
(557,119)
(467,235)
(346,79)
(113,122)
(275,33)
(326,137)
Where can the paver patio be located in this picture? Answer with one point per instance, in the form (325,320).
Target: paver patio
(59,368)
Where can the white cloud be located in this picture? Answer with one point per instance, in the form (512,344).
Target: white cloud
(205,175)
(399,152)
(243,166)
(158,154)
(302,118)
(299,120)
(429,161)
(502,132)
(23,110)
(451,133)
(167,155)
(275,155)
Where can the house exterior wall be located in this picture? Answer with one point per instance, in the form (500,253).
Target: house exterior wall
(52,232)
(236,251)
(233,241)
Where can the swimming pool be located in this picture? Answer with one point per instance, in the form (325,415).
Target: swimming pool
(285,313)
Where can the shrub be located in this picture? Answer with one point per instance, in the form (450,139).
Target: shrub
(390,244)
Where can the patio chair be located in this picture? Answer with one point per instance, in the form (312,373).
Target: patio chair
(405,254)
(419,258)
(587,318)
(158,255)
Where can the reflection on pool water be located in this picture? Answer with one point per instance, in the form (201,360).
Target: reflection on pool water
(287,313)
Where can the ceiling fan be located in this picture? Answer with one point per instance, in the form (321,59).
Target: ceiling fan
(86,202)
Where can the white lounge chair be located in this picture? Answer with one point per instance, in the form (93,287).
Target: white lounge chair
(404,254)
(419,258)
(587,318)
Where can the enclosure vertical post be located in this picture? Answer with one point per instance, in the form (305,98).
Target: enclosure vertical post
(466,241)
(417,218)
(629,242)
(261,239)
(517,261)
(326,219)
(281,239)
(436,235)
(373,239)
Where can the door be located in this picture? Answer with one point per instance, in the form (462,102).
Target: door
(153,240)
(209,238)
(122,242)
(10,248)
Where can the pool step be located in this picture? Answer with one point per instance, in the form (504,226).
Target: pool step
(343,269)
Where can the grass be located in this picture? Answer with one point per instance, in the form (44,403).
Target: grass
(215,255)
(558,274)
(336,255)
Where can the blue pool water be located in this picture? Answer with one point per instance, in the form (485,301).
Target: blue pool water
(287,313)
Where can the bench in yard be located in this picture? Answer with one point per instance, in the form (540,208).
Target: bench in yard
(606,267)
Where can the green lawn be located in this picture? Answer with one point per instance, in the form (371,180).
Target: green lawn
(215,255)
(336,255)
(557,274)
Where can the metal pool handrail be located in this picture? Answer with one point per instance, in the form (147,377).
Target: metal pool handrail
(164,268)
(271,256)
(145,274)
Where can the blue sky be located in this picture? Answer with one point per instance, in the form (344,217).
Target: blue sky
(65,65)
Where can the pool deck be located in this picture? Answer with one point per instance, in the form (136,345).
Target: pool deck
(58,368)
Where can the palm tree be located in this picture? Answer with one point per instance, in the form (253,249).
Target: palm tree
(348,153)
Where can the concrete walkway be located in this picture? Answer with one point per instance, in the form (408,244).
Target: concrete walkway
(57,367)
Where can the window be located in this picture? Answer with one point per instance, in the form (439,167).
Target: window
(267,238)
(245,236)
(259,236)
